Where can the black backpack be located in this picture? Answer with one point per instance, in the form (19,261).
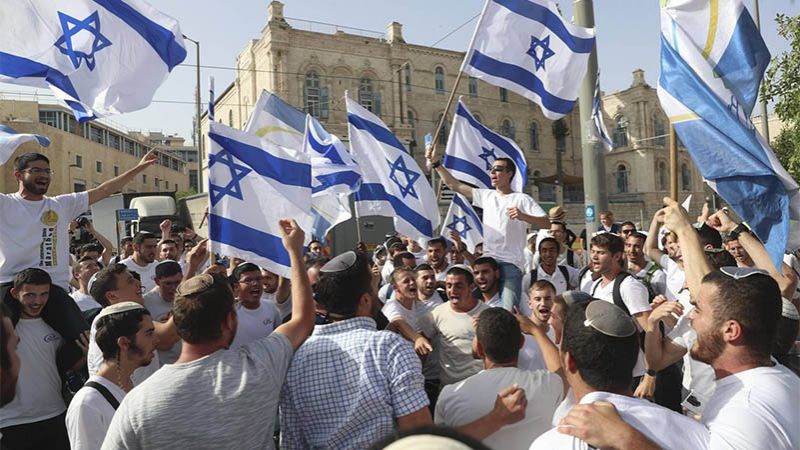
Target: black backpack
(564,272)
(615,292)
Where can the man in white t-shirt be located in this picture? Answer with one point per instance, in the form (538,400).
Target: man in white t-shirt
(159,302)
(401,260)
(437,258)
(498,340)
(506,215)
(277,291)
(143,261)
(427,294)
(403,312)
(83,271)
(558,231)
(562,277)
(540,300)
(487,278)
(671,262)
(127,339)
(598,351)
(257,319)
(223,385)
(648,272)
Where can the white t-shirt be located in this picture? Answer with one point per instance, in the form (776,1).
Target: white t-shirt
(494,302)
(442,276)
(698,377)
(430,303)
(676,279)
(284,308)
(585,283)
(757,408)
(94,359)
(255,323)
(503,237)
(658,281)
(557,278)
(36,234)
(668,429)
(530,355)
(385,292)
(453,332)
(393,309)
(386,271)
(38,395)
(792,261)
(84,301)
(159,310)
(89,415)
(146,273)
(469,400)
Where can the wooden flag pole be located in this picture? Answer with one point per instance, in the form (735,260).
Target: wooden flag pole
(673,163)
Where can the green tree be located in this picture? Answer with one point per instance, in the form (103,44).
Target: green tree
(782,85)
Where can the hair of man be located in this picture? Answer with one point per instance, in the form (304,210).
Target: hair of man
(499,335)
(114,326)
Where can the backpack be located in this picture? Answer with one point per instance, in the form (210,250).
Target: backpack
(564,271)
(616,295)
(646,280)
(570,257)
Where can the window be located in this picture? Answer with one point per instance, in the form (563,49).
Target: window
(439,80)
(98,166)
(622,179)
(473,87)
(70,124)
(158,183)
(659,131)
(166,185)
(620,134)
(49,118)
(367,96)
(662,176)
(407,77)
(230,117)
(114,141)
(116,171)
(144,179)
(442,138)
(534,132)
(686,177)
(412,122)
(312,94)
(193,180)
(507,129)
(78,161)
(504,95)
(95,134)
(78,186)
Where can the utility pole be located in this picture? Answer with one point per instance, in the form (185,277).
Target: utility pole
(198,129)
(592,151)
(762,103)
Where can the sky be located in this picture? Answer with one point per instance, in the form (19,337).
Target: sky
(627,39)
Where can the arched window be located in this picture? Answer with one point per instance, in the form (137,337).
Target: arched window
(412,122)
(312,94)
(534,131)
(477,117)
(620,134)
(662,176)
(659,131)
(622,179)
(686,177)
(537,173)
(443,132)
(367,96)
(407,76)
(507,129)
(439,80)
(473,87)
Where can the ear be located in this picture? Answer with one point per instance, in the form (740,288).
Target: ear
(569,363)
(18,175)
(229,324)
(14,292)
(477,349)
(732,331)
(123,343)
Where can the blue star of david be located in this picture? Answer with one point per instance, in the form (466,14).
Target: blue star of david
(460,220)
(71,27)
(233,188)
(411,177)
(488,153)
(544,44)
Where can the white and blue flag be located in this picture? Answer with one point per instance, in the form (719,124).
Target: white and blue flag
(527,47)
(472,148)
(462,219)
(712,62)
(101,57)
(600,130)
(392,183)
(277,122)
(252,185)
(10,140)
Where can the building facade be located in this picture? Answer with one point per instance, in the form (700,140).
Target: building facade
(175,145)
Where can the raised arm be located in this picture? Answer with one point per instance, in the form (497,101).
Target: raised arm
(421,344)
(695,263)
(552,359)
(451,182)
(115,184)
(659,350)
(651,243)
(300,325)
(108,248)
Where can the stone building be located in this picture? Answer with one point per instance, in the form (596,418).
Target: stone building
(83,155)
(176,145)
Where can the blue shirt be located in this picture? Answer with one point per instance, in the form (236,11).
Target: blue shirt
(346,386)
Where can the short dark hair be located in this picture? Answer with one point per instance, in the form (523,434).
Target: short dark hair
(398,258)
(487,260)
(140,237)
(754,302)
(628,222)
(538,285)
(21,162)
(396,272)
(720,258)
(113,326)
(604,362)
(317,261)
(83,259)
(106,280)
(126,239)
(558,222)
(609,241)
(33,276)
(340,291)
(552,240)
(462,271)
(314,241)
(423,267)
(90,248)
(438,241)
(499,334)
(509,164)
(168,241)
(709,236)
(244,268)
(637,235)
(785,336)
(199,314)
(167,269)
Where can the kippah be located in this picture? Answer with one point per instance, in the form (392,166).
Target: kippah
(195,285)
(788,310)
(609,319)
(574,297)
(91,282)
(462,267)
(427,442)
(119,308)
(340,263)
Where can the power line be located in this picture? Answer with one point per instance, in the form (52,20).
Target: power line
(456,29)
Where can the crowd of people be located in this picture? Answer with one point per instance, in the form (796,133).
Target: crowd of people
(679,337)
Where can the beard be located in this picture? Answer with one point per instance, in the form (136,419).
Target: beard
(33,188)
(707,347)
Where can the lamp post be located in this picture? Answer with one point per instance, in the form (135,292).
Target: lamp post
(198,129)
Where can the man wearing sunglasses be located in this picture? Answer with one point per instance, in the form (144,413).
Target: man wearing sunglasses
(506,215)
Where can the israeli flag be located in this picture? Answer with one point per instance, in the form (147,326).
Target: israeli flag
(600,130)
(712,62)
(10,140)
(101,57)
(472,148)
(277,122)
(393,185)
(527,47)
(462,219)
(251,186)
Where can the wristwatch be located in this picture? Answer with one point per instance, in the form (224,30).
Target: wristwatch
(436,164)
(741,228)
(650,372)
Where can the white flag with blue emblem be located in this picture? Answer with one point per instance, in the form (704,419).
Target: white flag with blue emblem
(392,183)
(472,148)
(277,122)
(101,57)
(527,47)
(600,130)
(712,62)
(462,219)
(252,185)
(10,140)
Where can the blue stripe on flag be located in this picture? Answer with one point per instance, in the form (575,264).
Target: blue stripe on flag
(468,210)
(378,132)
(552,21)
(286,113)
(522,77)
(376,192)
(229,232)
(161,39)
(462,165)
(347,178)
(286,172)
(332,156)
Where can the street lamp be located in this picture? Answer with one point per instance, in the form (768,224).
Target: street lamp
(198,130)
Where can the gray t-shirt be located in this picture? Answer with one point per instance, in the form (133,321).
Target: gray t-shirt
(227,399)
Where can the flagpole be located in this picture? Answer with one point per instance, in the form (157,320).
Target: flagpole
(673,163)
(762,103)
(354,207)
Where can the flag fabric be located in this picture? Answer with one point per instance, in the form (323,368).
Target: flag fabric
(392,184)
(277,122)
(10,140)
(210,99)
(600,130)
(251,186)
(472,148)
(712,62)
(101,57)
(527,47)
(462,219)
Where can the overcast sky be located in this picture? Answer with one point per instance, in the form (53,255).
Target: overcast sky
(627,33)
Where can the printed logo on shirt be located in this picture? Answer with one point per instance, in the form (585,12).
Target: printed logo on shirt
(48,256)
(52,337)
(268,322)
(50,218)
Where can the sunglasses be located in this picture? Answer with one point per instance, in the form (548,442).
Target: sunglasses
(498,169)
(737,273)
